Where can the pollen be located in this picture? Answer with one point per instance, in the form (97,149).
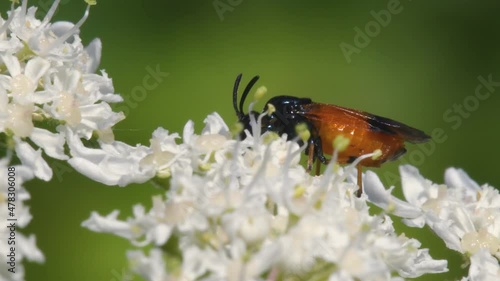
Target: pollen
(340,143)
(303,132)
(376,154)
(299,191)
(237,129)
(261,91)
(270,137)
(270,109)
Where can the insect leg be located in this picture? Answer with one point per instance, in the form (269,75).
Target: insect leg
(318,150)
(318,153)
(318,168)
(310,157)
(360,181)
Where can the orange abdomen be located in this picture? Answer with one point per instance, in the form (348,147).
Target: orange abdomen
(362,141)
(366,132)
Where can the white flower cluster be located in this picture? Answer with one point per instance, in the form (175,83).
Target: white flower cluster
(47,78)
(463,214)
(25,246)
(247,210)
(49,93)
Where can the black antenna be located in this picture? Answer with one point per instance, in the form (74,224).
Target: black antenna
(239,113)
(247,91)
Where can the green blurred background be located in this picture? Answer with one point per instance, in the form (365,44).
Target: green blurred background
(415,69)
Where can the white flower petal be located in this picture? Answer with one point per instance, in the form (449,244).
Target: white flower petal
(71,80)
(109,224)
(98,117)
(33,159)
(100,87)
(36,68)
(150,268)
(442,229)
(376,193)
(93,171)
(188,132)
(458,178)
(42,97)
(61,27)
(115,164)
(27,247)
(214,124)
(160,234)
(52,144)
(413,184)
(94,51)
(484,267)
(12,64)
(200,261)
(423,264)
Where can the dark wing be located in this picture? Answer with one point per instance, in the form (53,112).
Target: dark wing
(375,122)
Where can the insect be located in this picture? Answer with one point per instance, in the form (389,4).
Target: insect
(367,132)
